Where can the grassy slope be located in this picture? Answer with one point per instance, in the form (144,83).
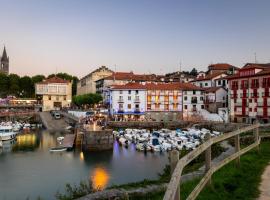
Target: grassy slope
(231,182)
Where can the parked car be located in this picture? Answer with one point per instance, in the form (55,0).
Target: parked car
(57,115)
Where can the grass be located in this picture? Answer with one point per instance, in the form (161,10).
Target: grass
(232,182)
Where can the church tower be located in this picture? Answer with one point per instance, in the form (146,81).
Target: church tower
(4,62)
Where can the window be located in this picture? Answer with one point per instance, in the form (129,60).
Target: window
(129,106)
(235,109)
(185,98)
(185,106)
(120,92)
(137,92)
(120,106)
(137,106)
(250,109)
(129,92)
(201,98)
(129,98)
(206,84)
(148,106)
(201,85)
(250,100)
(202,106)
(219,82)
(50,98)
(65,98)
(194,92)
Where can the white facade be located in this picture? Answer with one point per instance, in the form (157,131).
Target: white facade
(193,101)
(127,101)
(54,95)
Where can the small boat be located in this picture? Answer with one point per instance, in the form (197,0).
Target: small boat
(60,139)
(58,149)
(6,133)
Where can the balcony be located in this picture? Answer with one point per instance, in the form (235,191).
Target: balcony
(137,100)
(137,110)
(120,110)
(120,101)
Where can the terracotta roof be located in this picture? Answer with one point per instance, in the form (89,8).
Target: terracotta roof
(209,76)
(53,79)
(158,86)
(212,89)
(128,86)
(221,66)
(265,70)
(119,76)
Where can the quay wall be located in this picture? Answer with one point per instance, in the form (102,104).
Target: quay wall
(97,140)
(222,127)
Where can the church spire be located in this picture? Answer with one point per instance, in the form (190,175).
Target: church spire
(4,56)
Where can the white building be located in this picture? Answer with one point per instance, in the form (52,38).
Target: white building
(54,93)
(193,102)
(127,101)
(209,80)
(215,98)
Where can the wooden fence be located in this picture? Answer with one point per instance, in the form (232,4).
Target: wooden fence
(173,189)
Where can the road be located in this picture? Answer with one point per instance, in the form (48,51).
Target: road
(52,124)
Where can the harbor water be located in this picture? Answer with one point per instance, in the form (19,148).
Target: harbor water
(29,170)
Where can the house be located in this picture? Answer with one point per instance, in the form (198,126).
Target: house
(54,93)
(209,80)
(215,98)
(87,84)
(249,98)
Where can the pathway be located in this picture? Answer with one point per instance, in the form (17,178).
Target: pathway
(265,184)
(52,124)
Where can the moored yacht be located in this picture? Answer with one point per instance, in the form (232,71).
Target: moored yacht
(7,133)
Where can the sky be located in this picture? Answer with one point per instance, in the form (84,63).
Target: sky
(143,36)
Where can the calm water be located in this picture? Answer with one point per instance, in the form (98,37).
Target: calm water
(28,169)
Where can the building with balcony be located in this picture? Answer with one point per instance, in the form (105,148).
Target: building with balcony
(249,97)
(127,101)
(215,98)
(54,93)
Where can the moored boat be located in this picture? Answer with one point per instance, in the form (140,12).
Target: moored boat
(58,149)
(7,133)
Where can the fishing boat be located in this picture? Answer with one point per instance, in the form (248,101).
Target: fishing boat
(58,149)
(7,133)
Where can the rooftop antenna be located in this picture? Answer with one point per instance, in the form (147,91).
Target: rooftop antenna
(114,73)
(255,57)
(180,70)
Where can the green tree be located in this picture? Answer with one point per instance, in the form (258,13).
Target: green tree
(4,85)
(26,87)
(37,78)
(14,84)
(87,99)
(194,72)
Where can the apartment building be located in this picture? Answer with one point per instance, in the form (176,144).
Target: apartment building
(215,98)
(249,97)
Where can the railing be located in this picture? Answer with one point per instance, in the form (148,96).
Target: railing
(173,189)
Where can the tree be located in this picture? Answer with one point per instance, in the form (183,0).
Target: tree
(14,84)
(4,85)
(87,99)
(37,78)
(26,87)
(194,72)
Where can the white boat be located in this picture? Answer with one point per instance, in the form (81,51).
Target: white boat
(58,149)
(7,133)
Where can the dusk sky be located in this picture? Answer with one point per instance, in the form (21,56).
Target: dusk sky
(45,36)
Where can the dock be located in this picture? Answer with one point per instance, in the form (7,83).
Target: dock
(69,141)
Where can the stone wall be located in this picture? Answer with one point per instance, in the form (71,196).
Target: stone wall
(98,140)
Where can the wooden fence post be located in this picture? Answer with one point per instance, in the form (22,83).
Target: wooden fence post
(237,148)
(257,138)
(208,158)
(174,158)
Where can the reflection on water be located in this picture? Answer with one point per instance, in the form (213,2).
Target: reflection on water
(100,178)
(25,160)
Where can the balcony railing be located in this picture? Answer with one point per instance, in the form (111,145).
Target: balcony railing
(136,100)
(120,100)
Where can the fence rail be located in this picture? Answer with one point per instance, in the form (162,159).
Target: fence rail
(173,189)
